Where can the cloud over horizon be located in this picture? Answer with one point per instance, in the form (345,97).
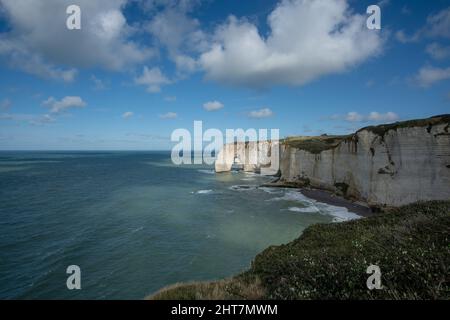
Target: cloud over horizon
(66,103)
(213,105)
(168,115)
(373,116)
(261,113)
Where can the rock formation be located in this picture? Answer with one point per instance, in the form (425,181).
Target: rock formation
(386,165)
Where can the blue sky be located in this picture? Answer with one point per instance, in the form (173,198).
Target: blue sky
(137,70)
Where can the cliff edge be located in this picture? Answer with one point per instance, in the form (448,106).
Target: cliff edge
(386,165)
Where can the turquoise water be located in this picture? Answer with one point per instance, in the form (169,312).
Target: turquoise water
(134,223)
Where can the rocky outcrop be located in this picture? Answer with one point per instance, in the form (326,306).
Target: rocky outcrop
(388,165)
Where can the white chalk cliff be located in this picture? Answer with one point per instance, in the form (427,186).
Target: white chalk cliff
(388,165)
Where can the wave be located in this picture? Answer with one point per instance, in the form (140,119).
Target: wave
(243,187)
(311,209)
(339,214)
(271,190)
(137,229)
(292,195)
(207,171)
(204,191)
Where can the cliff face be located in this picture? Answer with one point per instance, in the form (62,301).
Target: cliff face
(389,165)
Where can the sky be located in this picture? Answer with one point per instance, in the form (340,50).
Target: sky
(138,70)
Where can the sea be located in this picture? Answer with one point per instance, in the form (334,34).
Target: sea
(133,222)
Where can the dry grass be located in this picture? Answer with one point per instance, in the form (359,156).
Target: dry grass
(228,289)
(329,261)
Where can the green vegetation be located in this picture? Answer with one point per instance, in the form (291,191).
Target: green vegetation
(410,244)
(342,187)
(381,130)
(314,145)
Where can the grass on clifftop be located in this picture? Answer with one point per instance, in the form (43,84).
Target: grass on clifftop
(428,122)
(314,145)
(410,244)
(317,144)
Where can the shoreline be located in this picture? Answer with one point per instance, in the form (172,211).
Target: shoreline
(327,197)
(335,200)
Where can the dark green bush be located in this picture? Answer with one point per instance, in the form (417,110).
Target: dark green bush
(410,244)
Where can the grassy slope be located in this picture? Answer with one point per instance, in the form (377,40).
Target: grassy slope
(410,244)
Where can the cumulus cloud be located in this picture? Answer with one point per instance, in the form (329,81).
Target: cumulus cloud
(402,37)
(437,26)
(180,34)
(127,115)
(153,79)
(168,115)
(38,40)
(5,104)
(307,39)
(170,98)
(438,51)
(28,118)
(373,116)
(405,10)
(213,105)
(66,103)
(428,76)
(382,117)
(98,83)
(261,113)
(354,117)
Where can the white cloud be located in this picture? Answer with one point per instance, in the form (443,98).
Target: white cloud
(405,10)
(261,113)
(43,119)
(438,51)
(69,102)
(370,83)
(384,3)
(307,40)
(428,76)
(403,38)
(213,105)
(170,98)
(153,79)
(354,117)
(382,117)
(127,115)
(437,26)
(28,118)
(168,115)
(373,116)
(39,41)
(5,104)
(179,34)
(98,83)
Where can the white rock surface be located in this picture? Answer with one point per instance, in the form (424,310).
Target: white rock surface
(403,166)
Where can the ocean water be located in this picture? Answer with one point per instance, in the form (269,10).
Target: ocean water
(134,222)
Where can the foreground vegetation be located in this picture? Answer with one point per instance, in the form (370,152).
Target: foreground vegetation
(410,244)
